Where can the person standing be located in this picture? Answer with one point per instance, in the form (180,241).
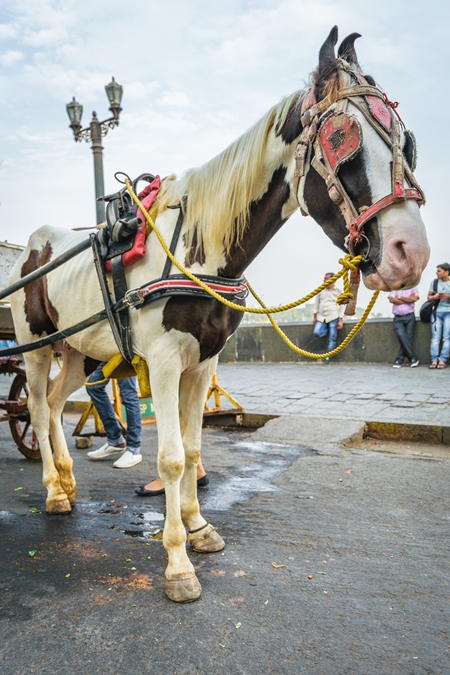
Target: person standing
(129,450)
(440,323)
(404,324)
(328,316)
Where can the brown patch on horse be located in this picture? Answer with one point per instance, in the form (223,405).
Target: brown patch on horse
(41,316)
(265,220)
(292,127)
(196,253)
(210,322)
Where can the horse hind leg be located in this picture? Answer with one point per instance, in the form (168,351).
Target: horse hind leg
(194,387)
(68,380)
(37,366)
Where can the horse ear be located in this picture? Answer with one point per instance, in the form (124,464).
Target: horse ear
(347,49)
(327,58)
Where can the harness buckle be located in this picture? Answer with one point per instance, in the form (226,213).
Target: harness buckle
(133,298)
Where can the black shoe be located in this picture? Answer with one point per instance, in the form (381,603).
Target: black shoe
(414,363)
(398,364)
(142,492)
(203,481)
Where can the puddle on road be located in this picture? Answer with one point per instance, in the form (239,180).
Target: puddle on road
(239,488)
(144,534)
(150,519)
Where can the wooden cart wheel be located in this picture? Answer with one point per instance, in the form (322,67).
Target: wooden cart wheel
(21,429)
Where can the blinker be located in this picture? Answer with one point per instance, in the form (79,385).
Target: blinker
(410,149)
(341,138)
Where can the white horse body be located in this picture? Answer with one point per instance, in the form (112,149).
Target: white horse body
(235,204)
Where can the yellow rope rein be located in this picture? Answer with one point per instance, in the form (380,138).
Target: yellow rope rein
(348,263)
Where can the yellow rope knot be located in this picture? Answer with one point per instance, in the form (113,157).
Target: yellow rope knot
(348,263)
(344,298)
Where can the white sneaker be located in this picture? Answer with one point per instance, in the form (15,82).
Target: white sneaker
(127,460)
(105,451)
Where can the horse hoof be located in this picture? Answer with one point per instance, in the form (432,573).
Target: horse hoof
(72,497)
(183,590)
(58,506)
(71,491)
(206,541)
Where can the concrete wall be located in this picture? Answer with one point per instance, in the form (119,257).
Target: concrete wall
(376,342)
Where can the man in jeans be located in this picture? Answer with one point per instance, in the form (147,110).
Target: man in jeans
(328,316)
(130,450)
(404,324)
(440,325)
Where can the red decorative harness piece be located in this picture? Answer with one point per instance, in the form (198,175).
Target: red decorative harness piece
(178,284)
(187,285)
(341,138)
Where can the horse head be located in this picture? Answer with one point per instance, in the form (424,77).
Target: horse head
(354,170)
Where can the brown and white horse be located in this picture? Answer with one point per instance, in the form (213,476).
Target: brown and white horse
(236,203)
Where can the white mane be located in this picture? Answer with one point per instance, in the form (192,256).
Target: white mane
(219,193)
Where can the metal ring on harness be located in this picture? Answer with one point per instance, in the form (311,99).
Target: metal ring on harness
(122,173)
(365,254)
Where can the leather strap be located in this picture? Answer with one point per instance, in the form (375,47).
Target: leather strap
(122,316)
(174,242)
(100,269)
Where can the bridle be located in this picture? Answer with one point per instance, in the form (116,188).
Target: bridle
(332,137)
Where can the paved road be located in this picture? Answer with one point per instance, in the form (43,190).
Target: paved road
(366,392)
(336,559)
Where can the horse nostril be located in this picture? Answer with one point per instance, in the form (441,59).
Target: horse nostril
(399,247)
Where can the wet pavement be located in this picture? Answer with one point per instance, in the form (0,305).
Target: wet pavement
(336,558)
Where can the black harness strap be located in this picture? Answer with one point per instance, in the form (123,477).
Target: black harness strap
(174,242)
(123,315)
(55,337)
(100,269)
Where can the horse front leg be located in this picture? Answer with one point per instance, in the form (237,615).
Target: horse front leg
(181,583)
(38,369)
(194,387)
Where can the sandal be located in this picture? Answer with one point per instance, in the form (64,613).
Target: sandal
(441,365)
(433,365)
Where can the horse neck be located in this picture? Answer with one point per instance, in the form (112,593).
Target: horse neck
(267,215)
(276,202)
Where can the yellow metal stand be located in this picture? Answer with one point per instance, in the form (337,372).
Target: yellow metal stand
(216,390)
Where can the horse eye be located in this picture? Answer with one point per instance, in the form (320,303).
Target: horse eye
(410,150)
(370,80)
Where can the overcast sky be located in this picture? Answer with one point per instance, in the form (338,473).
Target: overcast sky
(196,74)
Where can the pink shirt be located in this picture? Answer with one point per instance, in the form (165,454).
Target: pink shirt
(404,308)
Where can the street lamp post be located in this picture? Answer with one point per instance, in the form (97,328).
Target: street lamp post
(94,133)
